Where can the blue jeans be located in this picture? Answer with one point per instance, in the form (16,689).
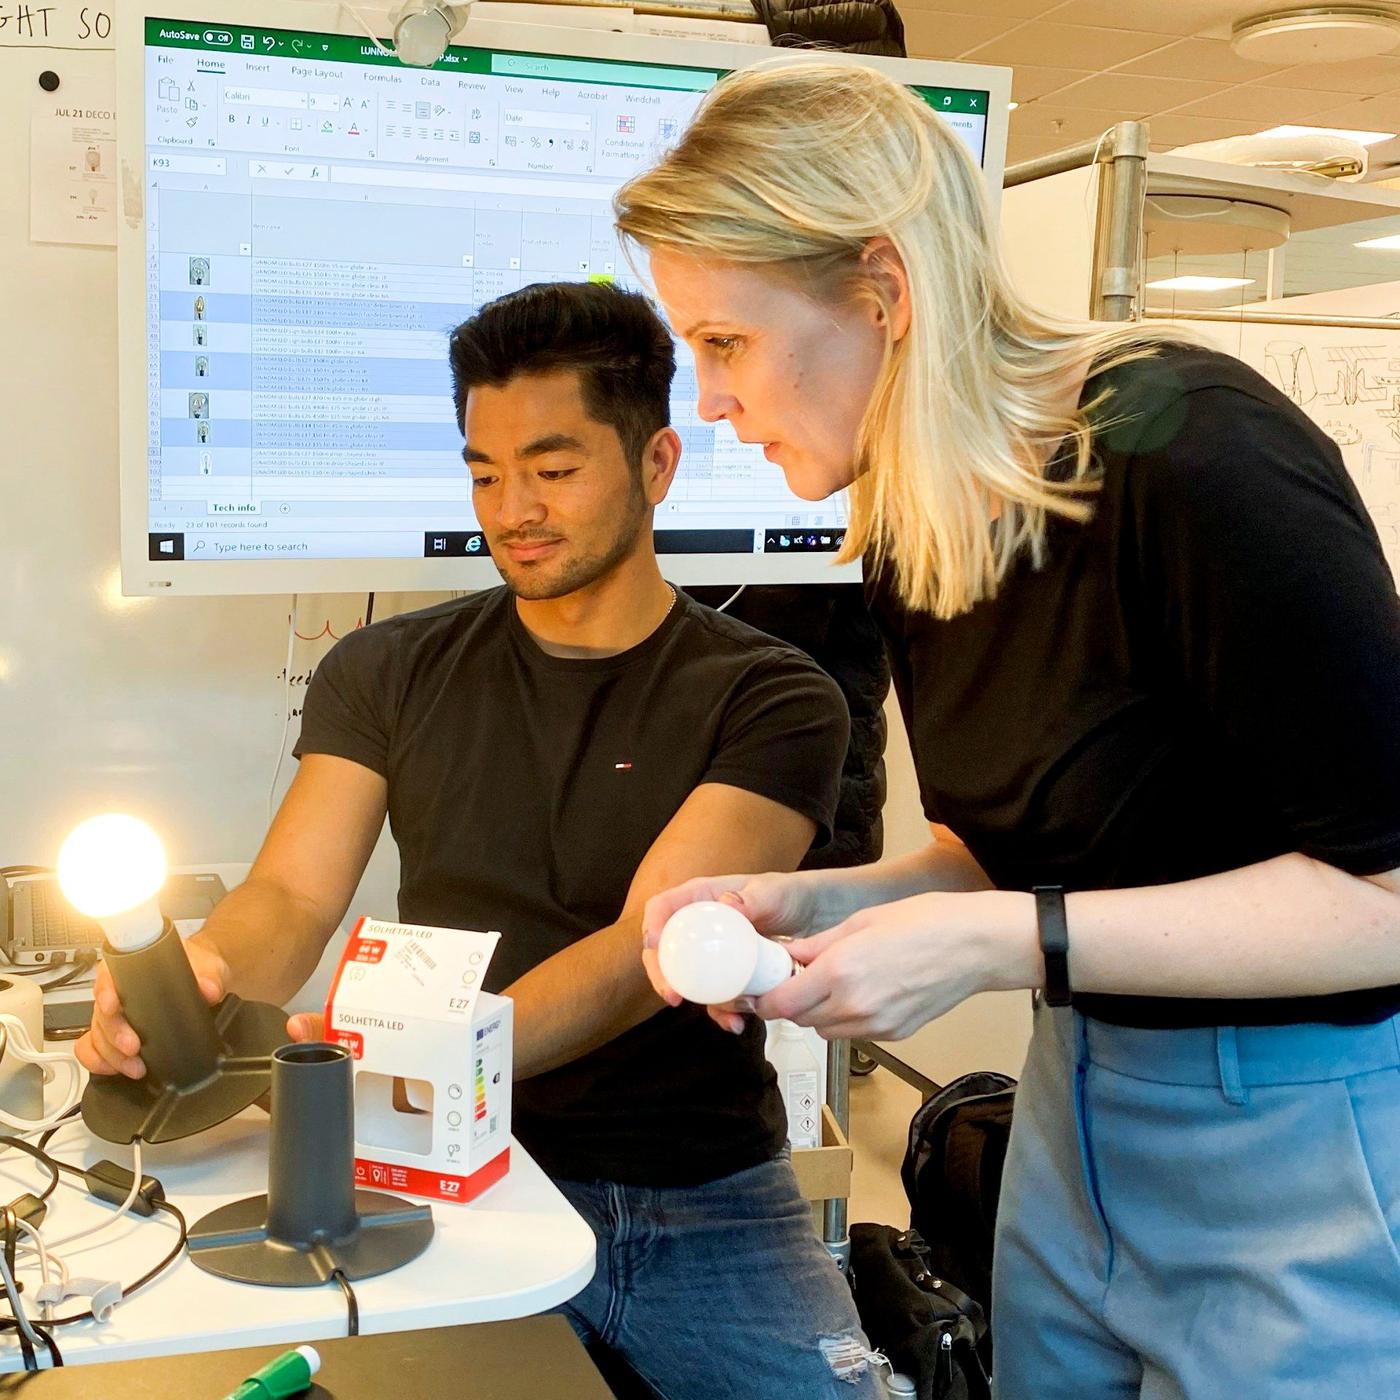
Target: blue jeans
(719,1292)
(1201,1215)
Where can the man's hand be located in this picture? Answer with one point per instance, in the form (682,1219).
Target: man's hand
(307,1025)
(111,1046)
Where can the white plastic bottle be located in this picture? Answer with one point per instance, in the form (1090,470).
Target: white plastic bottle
(797,1082)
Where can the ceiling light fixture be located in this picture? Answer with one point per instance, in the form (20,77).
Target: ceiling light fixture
(1316,34)
(1200,284)
(1362,138)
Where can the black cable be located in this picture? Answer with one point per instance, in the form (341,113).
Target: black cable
(48,1136)
(39,1156)
(82,962)
(55,1166)
(31,1362)
(82,965)
(352,1304)
(369,610)
(55,1355)
(145,1278)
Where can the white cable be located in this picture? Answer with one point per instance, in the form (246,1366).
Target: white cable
(286,707)
(47,1259)
(364,24)
(21,1317)
(104,1225)
(733,597)
(22,1048)
(41,1249)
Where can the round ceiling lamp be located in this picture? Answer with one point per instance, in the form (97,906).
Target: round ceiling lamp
(1318,34)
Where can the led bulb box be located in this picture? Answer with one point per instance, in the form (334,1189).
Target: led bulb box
(432,1058)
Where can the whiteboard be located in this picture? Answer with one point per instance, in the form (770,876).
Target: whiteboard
(1348,382)
(170,708)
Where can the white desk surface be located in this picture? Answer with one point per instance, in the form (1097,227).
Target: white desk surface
(520,1248)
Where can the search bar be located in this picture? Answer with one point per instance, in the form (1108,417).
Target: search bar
(468,184)
(521,65)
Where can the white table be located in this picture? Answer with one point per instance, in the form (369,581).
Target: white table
(520,1248)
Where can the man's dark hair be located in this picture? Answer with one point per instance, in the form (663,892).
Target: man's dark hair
(620,348)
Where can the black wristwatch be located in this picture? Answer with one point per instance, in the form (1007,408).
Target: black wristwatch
(1054,942)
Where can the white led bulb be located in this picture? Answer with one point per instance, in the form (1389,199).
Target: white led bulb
(111,868)
(710,953)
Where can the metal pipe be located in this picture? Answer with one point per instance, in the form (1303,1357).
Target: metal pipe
(1056,163)
(1118,261)
(835,1233)
(1276,318)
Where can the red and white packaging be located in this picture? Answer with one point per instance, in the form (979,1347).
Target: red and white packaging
(432,1056)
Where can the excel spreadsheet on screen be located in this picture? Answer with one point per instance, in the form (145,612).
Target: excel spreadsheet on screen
(317,218)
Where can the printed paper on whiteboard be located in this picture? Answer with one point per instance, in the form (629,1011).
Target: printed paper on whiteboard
(73,164)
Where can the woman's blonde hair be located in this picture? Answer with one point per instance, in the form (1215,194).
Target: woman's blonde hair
(799,165)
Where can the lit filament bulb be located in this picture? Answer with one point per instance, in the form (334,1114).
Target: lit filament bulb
(111,868)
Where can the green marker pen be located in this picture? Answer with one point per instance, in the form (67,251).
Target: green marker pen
(290,1374)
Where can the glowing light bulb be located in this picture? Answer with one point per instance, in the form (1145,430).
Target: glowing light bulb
(710,953)
(111,868)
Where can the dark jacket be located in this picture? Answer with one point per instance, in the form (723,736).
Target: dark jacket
(831,624)
(852,26)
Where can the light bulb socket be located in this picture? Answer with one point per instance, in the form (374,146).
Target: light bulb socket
(163,1003)
(313,1221)
(203,1063)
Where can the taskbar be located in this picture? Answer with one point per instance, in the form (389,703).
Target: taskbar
(170,546)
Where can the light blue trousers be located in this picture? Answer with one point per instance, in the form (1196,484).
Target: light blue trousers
(1201,1215)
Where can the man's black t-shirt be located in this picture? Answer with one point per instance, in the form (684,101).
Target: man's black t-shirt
(1204,676)
(524,791)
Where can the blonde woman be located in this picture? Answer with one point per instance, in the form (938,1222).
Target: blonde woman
(1148,654)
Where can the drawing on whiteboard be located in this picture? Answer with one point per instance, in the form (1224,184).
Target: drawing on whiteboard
(1381,464)
(1387,520)
(1355,401)
(1356,373)
(1286,362)
(1391,413)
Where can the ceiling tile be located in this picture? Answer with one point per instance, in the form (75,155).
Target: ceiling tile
(1176,130)
(937,34)
(1028,83)
(1210,59)
(1152,16)
(1370,114)
(1028,147)
(1066,46)
(1136,96)
(1365,75)
(1270,106)
(1062,124)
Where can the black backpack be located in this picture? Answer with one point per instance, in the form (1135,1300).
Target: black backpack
(952,1176)
(929,1328)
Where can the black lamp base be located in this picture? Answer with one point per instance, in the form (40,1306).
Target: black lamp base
(233,1242)
(121,1110)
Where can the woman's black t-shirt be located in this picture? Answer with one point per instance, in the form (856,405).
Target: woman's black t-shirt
(1204,676)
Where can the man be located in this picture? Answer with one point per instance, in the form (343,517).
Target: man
(550,754)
